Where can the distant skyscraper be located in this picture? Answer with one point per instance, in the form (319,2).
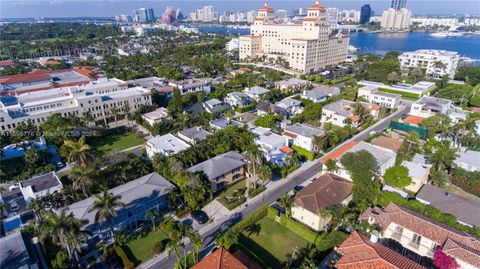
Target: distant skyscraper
(365,13)
(398,4)
(150,15)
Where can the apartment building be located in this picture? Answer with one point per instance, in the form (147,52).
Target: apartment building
(396,19)
(96,99)
(221,170)
(307,45)
(384,99)
(437,63)
(423,235)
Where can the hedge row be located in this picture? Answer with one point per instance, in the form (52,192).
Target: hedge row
(303,152)
(404,94)
(250,220)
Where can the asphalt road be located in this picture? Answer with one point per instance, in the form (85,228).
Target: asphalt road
(270,196)
(210,235)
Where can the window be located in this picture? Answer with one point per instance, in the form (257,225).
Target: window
(416,239)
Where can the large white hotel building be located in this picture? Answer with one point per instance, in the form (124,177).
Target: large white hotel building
(308,45)
(96,98)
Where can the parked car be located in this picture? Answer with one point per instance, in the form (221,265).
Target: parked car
(298,188)
(200,216)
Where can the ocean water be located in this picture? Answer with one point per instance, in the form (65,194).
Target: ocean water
(381,43)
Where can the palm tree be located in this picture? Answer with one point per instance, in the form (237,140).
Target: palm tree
(152,214)
(173,246)
(126,111)
(416,74)
(88,118)
(114,113)
(254,156)
(82,180)
(38,208)
(264,173)
(443,156)
(106,205)
(196,241)
(78,152)
(64,230)
(439,65)
(286,202)
(31,157)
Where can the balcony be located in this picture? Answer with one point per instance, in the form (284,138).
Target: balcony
(397,236)
(413,245)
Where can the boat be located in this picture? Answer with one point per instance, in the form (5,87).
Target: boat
(442,34)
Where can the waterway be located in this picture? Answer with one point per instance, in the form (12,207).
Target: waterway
(381,43)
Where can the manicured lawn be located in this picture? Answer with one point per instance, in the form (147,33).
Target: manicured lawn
(271,242)
(235,190)
(116,142)
(140,249)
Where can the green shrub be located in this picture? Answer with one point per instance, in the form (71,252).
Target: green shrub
(272,212)
(158,247)
(127,264)
(298,228)
(329,240)
(408,95)
(254,192)
(303,152)
(61,261)
(250,219)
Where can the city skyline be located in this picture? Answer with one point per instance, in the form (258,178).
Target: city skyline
(94,8)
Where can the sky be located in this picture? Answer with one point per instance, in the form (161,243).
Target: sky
(107,8)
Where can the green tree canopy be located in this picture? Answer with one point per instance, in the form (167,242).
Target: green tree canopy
(363,168)
(397,176)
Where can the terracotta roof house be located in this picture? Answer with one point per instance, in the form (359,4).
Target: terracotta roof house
(423,235)
(360,252)
(222,259)
(325,191)
(393,142)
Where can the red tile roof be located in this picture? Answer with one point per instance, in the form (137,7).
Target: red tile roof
(266,7)
(466,247)
(23,78)
(84,71)
(317,6)
(360,253)
(286,150)
(51,63)
(292,135)
(220,259)
(476,109)
(7,63)
(413,119)
(336,154)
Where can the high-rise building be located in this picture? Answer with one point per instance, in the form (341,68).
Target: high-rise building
(350,16)
(307,45)
(393,19)
(398,4)
(150,15)
(365,13)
